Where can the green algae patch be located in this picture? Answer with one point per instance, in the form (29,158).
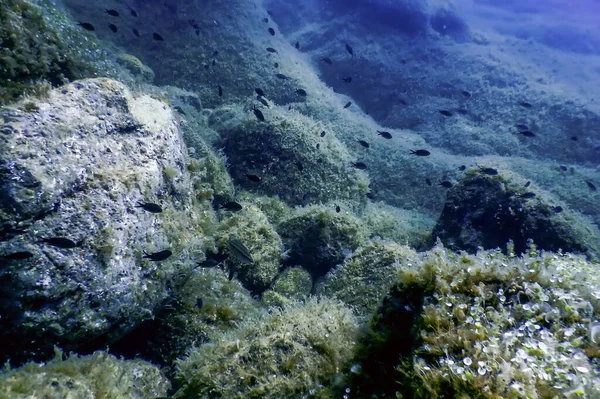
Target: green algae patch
(33,57)
(99,375)
(485,326)
(294,283)
(365,277)
(289,353)
(252,228)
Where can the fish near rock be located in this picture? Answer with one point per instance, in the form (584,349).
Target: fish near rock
(149,207)
(359,165)
(157,256)
(420,153)
(60,242)
(113,13)
(348,104)
(349,49)
(384,134)
(231,206)
(239,252)
(259,115)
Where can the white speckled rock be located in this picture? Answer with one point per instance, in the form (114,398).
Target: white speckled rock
(74,165)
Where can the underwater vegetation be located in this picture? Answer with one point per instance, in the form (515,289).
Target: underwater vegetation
(487,325)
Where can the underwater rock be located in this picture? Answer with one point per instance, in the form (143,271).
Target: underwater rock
(287,354)
(483,326)
(488,211)
(99,375)
(320,238)
(293,284)
(366,276)
(290,158)
(142,73)
(72,170)
(251,228)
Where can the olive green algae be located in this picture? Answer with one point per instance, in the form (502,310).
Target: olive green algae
(98,376)
(485,326)
(289,353)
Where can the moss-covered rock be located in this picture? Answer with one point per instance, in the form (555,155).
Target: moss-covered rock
(206,304)
(365,277)
(252,228)
(293,284)
(99,375)
(489,209)
(289,353)
(142,73)
(403,226)
(33,56)
(485,326)
(318,238)
(293,158)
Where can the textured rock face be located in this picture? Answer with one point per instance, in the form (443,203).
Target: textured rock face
(488,211)
(74,166)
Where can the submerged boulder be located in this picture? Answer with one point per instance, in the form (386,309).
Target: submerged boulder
(74,169)
(490,209)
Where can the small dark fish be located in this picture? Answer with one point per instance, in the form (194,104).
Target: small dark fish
(209,263)
(527,133)
(466,93)
(133,12)
(305,198)
(489,171)
(349,50)
(420,153)
(318,146)
(266,20)
(338,209)
(385,135)
(301,92)
(327,60)
(262,101)
(363,143)
(260,92)
(253,178)
(157,256)
(590,185)
(149,207)
(114,13)
(527,195)
(271,50)
(527,184)
(272,31)
(179,109)
(521,127)
(276,65)
(348,104)
(446,184)
(563,168)
(348,79)
(428,182)
(297,45)
(113,27)
(445,112)
(462,167)
(281,76)
(574,138)
(558,209)
(525,104)
(86,26)
(17,255)
(239,251)
(214,62)
(300,166)
(359,165)
(135,32)
(231,206)
(215,53)
(371,196)
(59,242)
(323,133)
(199,303)
(259,115)
(157,37)
(220,89)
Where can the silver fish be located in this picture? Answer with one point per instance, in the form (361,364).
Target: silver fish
(239,251)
